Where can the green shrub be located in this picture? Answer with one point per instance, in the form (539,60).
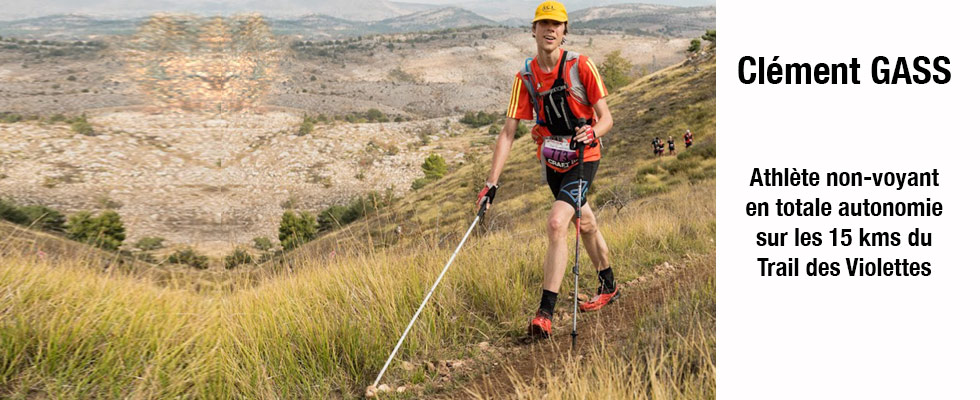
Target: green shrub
(434,167)
(262,243)
(306,127)
(375,115)
(10,212)
(238,257)
(10,118)
(149,243)
(420,183)
(709,35)
(81,126)
(296,229)
(105,230)
(44,218)
(695,46)
(476,120)
(189,258)
(337,215)
(494,130)
(331,218)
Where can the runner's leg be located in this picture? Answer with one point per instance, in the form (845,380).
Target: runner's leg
(556,258)
(592,239)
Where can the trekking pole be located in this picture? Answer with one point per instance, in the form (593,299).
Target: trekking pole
(483,208)
(578,231)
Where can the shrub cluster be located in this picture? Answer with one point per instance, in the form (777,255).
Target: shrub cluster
(33,215)
(262,243)
(476,120)
(105,230)
(434,168)
(81,126)
(337,216)
(188,257)
(238,257)
(149,243)
(296,229)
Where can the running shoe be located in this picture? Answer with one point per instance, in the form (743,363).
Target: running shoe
(540,326)
(599,300)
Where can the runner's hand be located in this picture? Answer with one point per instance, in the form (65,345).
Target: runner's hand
(585,134)
(487,194)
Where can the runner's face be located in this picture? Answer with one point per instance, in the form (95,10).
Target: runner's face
(548,34)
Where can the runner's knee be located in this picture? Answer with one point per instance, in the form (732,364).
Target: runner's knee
(557,226)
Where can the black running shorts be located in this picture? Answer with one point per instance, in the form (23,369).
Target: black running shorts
(564,185)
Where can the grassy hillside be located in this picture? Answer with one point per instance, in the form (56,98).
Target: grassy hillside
(323,326)
(661,104)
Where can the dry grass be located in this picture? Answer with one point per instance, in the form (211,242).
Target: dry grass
(323,326)
(322,331)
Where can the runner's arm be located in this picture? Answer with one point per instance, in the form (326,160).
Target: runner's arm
(603,124)
(504,141)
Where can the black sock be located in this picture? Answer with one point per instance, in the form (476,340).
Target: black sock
(548,300)
(606,282)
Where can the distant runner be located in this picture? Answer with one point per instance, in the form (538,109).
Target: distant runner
(688,139)
(568,104)
(656,146)
(670,144)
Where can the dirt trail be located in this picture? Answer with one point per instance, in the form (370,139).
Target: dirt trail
(528,359)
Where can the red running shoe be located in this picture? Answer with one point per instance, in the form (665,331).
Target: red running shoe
(540,326)
(598,301)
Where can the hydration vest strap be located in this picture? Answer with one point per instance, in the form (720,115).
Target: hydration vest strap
(528,78)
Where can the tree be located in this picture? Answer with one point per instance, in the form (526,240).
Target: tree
(709,35)
(615,70)
(695,46)
(105,230)
(296,229)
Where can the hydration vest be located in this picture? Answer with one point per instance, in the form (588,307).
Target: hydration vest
(551,107)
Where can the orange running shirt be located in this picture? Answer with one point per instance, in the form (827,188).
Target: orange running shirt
(520,106)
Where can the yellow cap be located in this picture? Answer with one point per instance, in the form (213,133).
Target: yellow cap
(552,10)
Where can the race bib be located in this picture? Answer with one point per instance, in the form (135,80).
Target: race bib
(557,154)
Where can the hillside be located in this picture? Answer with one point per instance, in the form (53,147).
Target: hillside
(662,104)
(322,327)
(647,18)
